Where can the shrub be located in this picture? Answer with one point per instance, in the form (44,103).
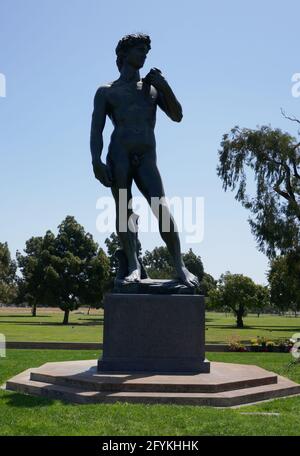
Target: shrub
(235,345)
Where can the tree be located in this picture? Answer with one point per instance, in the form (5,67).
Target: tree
(274,158)
(158,263)
(74,267)
(262,299)
(237,293)
(207,284)
(33,265)
(194,264)
(96,280)
(8,268)
(284,284)
(66,271)
(112,244)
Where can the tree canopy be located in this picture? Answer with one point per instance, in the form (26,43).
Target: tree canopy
(112,244)
(273,157)
(284,281)
(67,270)
(7,275)
(239,294)
(194,264)
(34,264)
(159,265)
(207,284)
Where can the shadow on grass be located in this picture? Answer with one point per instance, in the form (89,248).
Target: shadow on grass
(27,401)
(56,323)
(230,327)
(99,319)
(265,328)
(279,328)
(24,316)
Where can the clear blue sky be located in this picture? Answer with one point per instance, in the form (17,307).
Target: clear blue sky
(228,62)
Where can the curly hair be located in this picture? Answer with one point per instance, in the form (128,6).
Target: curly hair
(127,42)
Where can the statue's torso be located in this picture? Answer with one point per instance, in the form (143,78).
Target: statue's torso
(132,109)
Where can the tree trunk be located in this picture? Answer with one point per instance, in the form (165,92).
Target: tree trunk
(239,321)
(66,317)
(33,310)
(89,310)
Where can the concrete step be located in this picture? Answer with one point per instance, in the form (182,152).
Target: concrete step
(22,384)
(84,374)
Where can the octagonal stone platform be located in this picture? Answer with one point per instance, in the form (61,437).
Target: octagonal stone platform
(226,385)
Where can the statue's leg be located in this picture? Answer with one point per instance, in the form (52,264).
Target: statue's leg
(149,182)
(125,226)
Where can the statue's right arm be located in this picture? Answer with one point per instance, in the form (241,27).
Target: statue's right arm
(101,171)
(98,123)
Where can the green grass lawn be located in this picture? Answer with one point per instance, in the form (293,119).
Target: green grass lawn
(220,328)
(18,325)
(47,326)
(27,415)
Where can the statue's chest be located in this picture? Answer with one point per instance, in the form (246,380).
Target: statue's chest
(132,97)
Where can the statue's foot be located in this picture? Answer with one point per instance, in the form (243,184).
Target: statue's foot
(134,274)
(187,278)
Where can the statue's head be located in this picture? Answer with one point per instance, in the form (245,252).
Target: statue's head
(133,49)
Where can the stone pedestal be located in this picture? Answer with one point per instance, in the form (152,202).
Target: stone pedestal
(153,354)
(154,333)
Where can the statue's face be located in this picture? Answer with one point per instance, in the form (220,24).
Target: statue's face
(136,55)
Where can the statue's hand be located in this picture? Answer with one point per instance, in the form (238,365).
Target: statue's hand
(155,78)
(102,173)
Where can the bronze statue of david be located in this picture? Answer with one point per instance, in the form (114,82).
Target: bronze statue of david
(131,103)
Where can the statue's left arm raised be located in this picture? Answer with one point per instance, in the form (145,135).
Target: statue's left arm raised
(166,99)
